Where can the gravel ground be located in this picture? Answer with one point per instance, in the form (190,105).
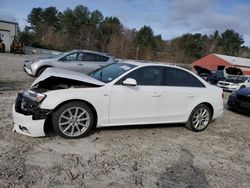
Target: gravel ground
(139,156)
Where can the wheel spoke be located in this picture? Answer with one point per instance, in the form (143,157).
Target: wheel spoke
(72,130)
(196,124)
(83,119)
(65,117)
(64,123)
(195,120)
(81,114)
(204,112)
(67,128)
(200,111)
(76,112)
(78,129)
(205,118)
(69,110)
(206,115)
(83,125)
(200,124)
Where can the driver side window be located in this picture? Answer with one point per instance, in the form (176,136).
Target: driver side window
(146,76)
(70,57)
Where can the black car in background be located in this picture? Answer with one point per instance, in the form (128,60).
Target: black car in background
(240,100)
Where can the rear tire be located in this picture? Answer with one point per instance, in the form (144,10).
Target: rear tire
(199,118)
(73,120)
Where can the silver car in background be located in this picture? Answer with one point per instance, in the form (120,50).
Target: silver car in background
(83,61)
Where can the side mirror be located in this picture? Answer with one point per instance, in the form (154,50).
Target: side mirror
(116,60)
(129,82)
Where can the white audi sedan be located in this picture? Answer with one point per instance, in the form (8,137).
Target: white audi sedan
(125,93)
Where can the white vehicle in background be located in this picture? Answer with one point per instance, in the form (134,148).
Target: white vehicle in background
(234,83)
(125,93)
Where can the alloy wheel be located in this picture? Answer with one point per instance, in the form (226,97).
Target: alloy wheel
(201,118)
(74,121)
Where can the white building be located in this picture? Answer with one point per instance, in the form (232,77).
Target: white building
(8,30)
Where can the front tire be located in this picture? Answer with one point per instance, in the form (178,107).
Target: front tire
(200,118)
(73,120)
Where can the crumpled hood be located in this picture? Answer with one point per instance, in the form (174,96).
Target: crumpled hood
(62,73)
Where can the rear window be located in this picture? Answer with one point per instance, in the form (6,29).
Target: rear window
(95,57)
(180,78)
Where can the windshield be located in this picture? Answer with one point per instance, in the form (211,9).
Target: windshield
(110,72)
(57,55)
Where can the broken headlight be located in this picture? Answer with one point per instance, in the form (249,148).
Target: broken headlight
(34,96)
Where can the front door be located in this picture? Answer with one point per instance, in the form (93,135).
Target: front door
(137,104)
(69,62)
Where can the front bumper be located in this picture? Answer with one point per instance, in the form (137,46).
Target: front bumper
(28,117)
(28,70)
(24,124)
(228,88)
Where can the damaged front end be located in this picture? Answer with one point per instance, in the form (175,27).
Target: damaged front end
(28,103)
(56,83)
(29,117)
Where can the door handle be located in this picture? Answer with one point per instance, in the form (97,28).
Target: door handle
(190,96)
(80,64)
(156,95)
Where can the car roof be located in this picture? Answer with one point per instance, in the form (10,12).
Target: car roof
(141,63)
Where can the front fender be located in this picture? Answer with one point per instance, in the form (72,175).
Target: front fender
(98,98)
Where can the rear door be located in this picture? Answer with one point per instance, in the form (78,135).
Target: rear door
(180,91)
(69,62)
(92,61)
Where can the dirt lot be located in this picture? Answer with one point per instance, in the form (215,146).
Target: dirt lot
(141,156)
